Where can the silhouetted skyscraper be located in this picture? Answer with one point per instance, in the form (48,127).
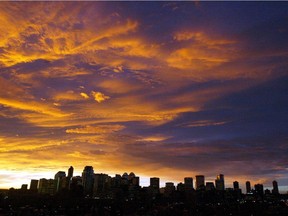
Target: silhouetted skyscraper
(102,182)
(88,180)
(209,186)
(155,183)
(275,189)
(259,189)
(34,185)
(219,182)
(236,185)
(200,181)
(188,183)
(70,172)
(60,178)
(248,187)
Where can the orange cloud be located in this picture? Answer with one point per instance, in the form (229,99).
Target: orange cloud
(99,129)
(99,97)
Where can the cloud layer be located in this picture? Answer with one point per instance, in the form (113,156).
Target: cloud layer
(149,87)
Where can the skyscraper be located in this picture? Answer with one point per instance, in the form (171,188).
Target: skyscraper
(88,180)
(60,178)
(34,185)
(236,185)
(102,183)
(188,183)
(200,182)
(219,182)
(248,187)
(70,172)
(275,189)
(155,183)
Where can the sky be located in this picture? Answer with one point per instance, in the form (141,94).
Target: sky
(167,89)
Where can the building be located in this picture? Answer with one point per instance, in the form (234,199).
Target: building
(169,188)
(259,189)
(275,189)
(102,183)
(33,185)
(47,186)
(200,182)
(209,186)
(88,180)
(219,182)
(24,187)
(70,172)
(236,185)
(60,178)
(155,183)
(188,183)
(248,187)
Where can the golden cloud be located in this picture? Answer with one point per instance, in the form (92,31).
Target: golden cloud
(98,129)
(84,95)
(99,97)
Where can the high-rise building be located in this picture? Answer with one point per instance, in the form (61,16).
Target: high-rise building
(34,185)
(219,182)
(259,189)
(209,186)
(236,185)
(275,189)
(248,187)
(47,186)
(200,182)
(169,188)
(102,183)
(88,180)
(155,183)
(60,178)
(188,183)
(24,187)
(70,172)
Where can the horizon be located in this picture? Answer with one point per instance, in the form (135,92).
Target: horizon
(166,89)
(145,182)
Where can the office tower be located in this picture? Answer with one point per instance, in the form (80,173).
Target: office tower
(248,187)
(60,174)
(169,188)
(209,186)
(200,182)
(135,181)
(60,178)
(24,187)
(188,183)
(47,186)
(236,185)
(259,189)
(70,172)
(155,183)
(275,189)
(131,176)
(116,181)
(42,185)
(34,185)
(219,182)
(88,180)
(181,187)
(102,183)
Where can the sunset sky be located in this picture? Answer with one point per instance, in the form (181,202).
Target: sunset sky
(158,88)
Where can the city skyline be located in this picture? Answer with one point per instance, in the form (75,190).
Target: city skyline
(166,89)
(205,184)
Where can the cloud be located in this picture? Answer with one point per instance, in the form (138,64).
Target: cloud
(99,97)
(99,129)
(84,95)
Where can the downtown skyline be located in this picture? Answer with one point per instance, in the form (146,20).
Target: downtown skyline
(167,89)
